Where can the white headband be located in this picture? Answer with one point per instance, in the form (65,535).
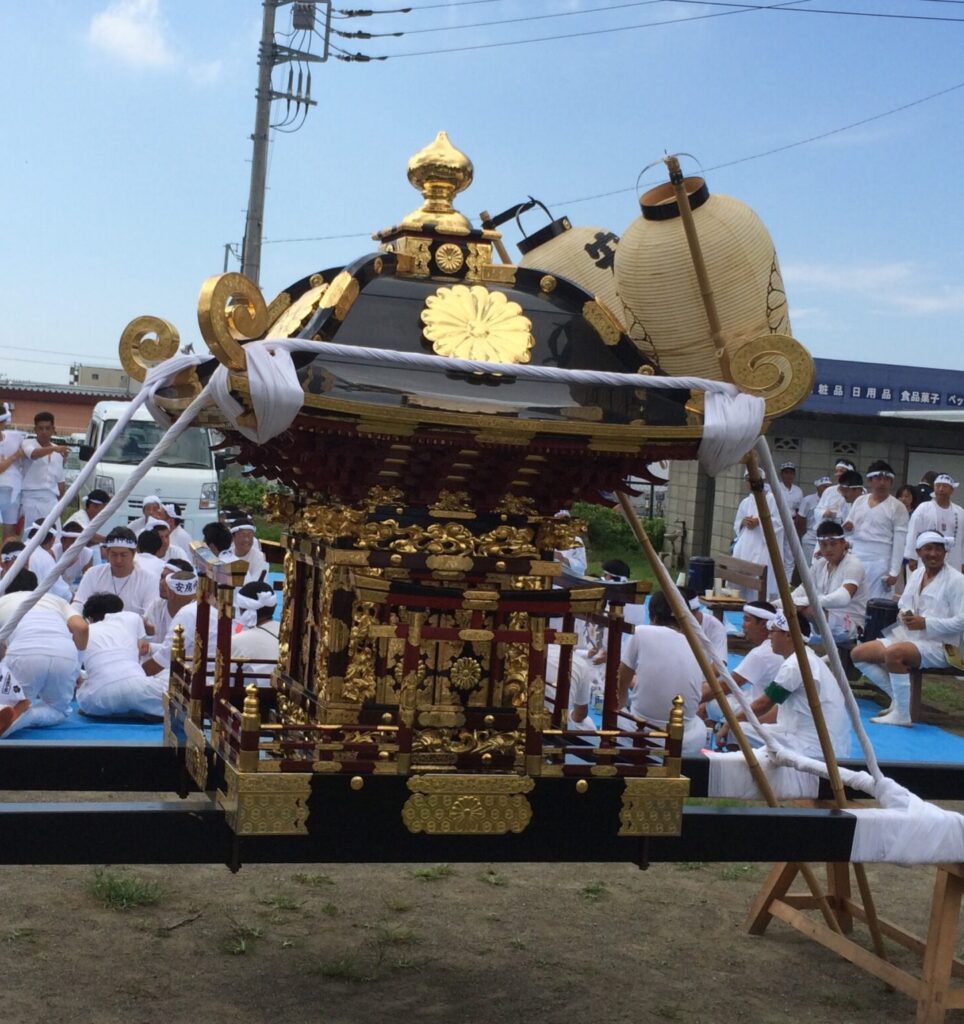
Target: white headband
(779,621)
(843,465)
(946,478)
(171,510)
(758,613)
(10,557)
(694,604)
(151,499)
(120,542)
(788,465)
(152,522)
(879,472)
(820,481)
(242,526)
(932,537)
(182,584)
(265,599)
(746,474)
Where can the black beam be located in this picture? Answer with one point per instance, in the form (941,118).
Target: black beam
(73,767)
(196,833)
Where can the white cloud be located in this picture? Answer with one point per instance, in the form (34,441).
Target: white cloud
(206,72)
(134,32)
(895,288)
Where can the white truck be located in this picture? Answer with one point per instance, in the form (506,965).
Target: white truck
(186,474)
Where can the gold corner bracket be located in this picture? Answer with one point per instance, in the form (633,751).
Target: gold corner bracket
(265,804)
(653,807)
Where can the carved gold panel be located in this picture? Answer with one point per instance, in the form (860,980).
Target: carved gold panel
(261,804)
(467,804)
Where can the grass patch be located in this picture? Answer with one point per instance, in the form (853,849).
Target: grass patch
(345,968)
(398,906)
(435,873)
(594,892)
(946,694)
(388,935)
(329,909)
(19,935)
(689,865)
(494,878)
(240,940)
(281,902)
(123,892)
(412,963)
(517,943)
(739,872)
(316,881)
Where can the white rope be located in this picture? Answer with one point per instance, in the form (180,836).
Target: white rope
(823,627)
(732,419)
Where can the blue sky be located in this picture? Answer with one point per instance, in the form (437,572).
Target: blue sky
(126,160)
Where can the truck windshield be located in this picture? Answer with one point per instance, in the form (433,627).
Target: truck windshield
(190,451)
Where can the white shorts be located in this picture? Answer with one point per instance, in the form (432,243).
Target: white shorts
(931,651)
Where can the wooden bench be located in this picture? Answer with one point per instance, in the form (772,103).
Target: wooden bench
(735,572)
(917,681)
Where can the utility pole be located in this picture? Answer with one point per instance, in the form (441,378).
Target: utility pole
(269,55)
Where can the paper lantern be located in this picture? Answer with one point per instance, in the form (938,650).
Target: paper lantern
(584,255)
(658,288)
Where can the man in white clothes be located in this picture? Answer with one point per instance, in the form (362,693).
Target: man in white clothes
(11,474)
(836,500)
(807,519)
(931,616)
(759,665)
(82,560)
(119,575)
(258,642)
(784,709)
(181,589)
(148,557)
(93,503)
(116,685)
(43,470)
(943,516)
(794,495)
(659,658)
(180,539)
(158,614)
(150,508)
(41,657)
(751,544)
(840,582)
(713,629)
(243,548)
(42,561)
(877,525)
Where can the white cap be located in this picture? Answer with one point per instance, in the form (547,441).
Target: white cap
(946,478)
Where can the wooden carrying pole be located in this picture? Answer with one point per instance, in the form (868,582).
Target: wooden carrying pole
(736,730)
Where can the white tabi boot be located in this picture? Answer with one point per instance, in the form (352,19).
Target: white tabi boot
(880,677)
(899,713)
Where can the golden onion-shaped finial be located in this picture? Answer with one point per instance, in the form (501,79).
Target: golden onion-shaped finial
(439,172)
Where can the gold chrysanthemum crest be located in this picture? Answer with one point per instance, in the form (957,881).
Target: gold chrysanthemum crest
(474,323)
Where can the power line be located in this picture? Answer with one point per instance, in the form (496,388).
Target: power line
(715,167)
(48,352)
(533,17)
(592,32)
(820,10)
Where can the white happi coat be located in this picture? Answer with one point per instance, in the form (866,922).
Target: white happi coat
(832,505)
(794,496)
(878,538)
(941,603)
(806,512)
(949,522)
(751,545)
(827,578)
(795,727)
(116,683)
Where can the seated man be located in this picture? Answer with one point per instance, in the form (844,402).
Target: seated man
(258,642)
(119,576)
(581,676)
(82,561)
(714,630)
(784,708)
(93,503)
(116,685)
(148,558)
(758,667)
(660,659)
(217,537)
(931,615)
(840,581)
(180,539)
(149,509)
(183,609)
(42,560)
(41,657)
(157,615)
(245,548)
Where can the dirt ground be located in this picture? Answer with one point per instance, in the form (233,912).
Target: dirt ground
(470,943)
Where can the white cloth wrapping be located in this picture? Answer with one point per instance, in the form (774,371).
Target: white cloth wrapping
(730,777)
(906,830)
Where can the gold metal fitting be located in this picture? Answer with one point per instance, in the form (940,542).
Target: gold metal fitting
(582,786)
(387,718)
(357,783)
(489,720)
